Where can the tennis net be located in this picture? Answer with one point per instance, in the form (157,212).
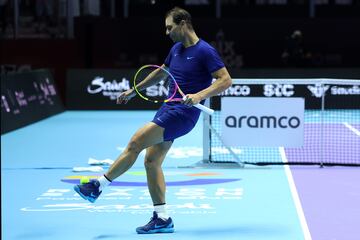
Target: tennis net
(331,123)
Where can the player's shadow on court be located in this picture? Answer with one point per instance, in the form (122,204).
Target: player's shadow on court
(106,236)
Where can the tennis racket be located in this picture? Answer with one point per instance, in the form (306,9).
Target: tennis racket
(156,84)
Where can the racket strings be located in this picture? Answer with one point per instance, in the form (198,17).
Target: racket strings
(154,83)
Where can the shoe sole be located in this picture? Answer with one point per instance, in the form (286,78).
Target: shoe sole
(161,230)
(77,189)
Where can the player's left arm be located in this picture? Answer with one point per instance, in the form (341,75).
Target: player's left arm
(223,82)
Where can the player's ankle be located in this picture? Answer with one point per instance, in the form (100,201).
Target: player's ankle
(104,182)
(160,209)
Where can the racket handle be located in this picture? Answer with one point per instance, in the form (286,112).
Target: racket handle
(204,109)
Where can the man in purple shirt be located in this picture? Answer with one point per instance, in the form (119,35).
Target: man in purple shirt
(194,63)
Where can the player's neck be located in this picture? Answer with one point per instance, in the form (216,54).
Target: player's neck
(190,39)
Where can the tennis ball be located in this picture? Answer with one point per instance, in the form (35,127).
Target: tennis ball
(84,179)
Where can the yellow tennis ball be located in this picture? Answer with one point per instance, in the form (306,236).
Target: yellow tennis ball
(84,180)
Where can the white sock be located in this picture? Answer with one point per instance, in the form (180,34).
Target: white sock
(103,182)
(161,211)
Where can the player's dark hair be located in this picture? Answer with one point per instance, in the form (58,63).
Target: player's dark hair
(180,14)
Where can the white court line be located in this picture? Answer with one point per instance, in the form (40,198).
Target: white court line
(295,196)
(357,132)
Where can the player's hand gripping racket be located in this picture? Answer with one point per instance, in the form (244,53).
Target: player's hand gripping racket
(156,84)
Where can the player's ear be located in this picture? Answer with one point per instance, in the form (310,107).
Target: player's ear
(182,23)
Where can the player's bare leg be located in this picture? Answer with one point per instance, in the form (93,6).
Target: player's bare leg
(146,136)
(160,222)
(154,158)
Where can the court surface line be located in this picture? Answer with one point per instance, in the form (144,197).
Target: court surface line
(357,132)
(295,196)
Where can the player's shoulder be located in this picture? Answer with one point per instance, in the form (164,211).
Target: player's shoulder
(205,46)
(176,46)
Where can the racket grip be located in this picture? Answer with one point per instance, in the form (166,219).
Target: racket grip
(204,109)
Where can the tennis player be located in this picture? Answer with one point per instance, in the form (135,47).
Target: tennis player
(194,63)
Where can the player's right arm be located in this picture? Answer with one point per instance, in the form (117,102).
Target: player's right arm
(222,82)
(124,97)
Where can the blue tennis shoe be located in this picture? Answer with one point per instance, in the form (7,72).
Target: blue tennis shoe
(157,225)
(89,191)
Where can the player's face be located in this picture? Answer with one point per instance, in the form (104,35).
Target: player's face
(172,29)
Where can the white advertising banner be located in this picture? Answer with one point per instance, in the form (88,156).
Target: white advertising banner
(262,122)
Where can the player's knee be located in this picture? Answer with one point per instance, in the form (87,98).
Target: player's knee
(134,147)
(150,163)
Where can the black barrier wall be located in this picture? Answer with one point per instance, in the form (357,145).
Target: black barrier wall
(97,89)
(26,98)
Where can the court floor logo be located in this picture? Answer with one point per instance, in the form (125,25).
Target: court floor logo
(186,200)
(137,209)
(189,191)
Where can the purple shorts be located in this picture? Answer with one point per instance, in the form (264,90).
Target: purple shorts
(175,120)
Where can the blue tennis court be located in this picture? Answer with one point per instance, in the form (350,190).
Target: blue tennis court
(272,202)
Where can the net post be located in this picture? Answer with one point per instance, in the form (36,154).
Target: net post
(322,123)
(206,134)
